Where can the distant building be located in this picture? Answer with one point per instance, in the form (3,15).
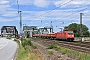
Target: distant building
(9,31)
(46,30)
(28,31)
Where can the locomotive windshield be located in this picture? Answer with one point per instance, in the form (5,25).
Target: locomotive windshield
(70,32)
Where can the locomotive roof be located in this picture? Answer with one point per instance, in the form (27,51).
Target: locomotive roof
(68,30)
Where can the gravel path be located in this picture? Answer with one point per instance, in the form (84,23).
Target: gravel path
(55,56)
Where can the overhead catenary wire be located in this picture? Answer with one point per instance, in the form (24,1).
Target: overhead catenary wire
(59,7)
(73,13)
(52,9)
(55,9)
(47,11)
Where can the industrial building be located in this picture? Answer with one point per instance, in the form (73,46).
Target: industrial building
(9,31)
(28,31)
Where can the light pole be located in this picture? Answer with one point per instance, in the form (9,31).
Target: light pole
(20,12)
(81,34)
(20,21)
(51,27)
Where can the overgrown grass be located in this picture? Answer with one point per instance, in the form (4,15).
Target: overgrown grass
(27,42)
(26,53)
(50,51)
(22,53)
(52,46)
(79,55)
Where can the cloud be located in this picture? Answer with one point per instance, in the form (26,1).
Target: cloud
(57,3)
(5,20)
(7,13)
(53,15)
(41,3)
(4,2)
(86,11)
(4,7)
(60,3)
(37,3)
(71,3)
(9,19)
(26,2)
(61,14)
(79,2)
(10,14)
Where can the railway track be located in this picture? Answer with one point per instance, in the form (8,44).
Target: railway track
(77,46)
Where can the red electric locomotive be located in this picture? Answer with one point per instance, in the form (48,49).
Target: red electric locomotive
(65,35)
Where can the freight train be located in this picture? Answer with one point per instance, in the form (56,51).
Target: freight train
(67,35)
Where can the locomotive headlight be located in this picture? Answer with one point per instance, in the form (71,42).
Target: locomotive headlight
(68,35)
(72,35)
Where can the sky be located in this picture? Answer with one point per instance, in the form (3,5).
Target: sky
(40,13)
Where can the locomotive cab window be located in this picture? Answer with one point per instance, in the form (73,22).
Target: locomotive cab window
(70,32)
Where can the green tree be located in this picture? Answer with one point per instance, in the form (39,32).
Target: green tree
(76,29)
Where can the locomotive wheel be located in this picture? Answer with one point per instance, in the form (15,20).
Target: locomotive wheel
(68,40)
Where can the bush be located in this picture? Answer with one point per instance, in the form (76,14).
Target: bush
(52,46)
(26,42)
(34,47)
(22,39)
